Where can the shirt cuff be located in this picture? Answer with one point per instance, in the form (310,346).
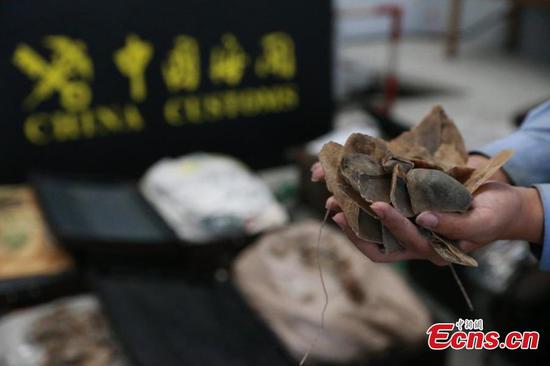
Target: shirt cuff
(544,191)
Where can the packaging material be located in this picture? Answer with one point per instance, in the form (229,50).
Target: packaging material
(26,246)
(371,308)
(72,332)
(207,197)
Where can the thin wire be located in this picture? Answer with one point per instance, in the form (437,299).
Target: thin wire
(321,276)
(462,288)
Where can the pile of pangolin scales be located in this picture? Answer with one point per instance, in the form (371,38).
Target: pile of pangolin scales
(423,169)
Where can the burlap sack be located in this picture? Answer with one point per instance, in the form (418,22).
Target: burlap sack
(371,308)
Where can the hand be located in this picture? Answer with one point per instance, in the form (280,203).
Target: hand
(499,211)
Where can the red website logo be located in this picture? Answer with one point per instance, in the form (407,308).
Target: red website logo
(469,334)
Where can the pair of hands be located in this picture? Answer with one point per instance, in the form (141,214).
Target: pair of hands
(499,211)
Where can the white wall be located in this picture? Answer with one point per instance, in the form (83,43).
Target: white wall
(420,16)
(429,17)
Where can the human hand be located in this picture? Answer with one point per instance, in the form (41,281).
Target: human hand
(499,211)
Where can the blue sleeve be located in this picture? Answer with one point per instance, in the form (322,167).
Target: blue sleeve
(530,164)
(544,191)
(531,143)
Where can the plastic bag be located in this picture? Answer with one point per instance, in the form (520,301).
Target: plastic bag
(207,197)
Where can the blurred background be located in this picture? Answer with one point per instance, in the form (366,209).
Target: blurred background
(156,206)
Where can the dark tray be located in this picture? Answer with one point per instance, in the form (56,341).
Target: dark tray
(108,223)
(172,319)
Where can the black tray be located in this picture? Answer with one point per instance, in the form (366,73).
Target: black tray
(172,319)
(108,223)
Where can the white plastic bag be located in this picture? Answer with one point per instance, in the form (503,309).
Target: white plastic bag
(206,197)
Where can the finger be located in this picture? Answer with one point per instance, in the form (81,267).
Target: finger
(332,205)
(456,225)
(479,220)
(403,230)
(370,249)
(317,172)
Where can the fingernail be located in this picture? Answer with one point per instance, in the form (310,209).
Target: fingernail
(336,218)
(427,219)
(378,211)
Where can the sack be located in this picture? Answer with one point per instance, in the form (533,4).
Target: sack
(370,309)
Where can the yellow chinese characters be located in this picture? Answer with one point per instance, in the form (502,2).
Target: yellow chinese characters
(228,61)
(181,71)
(131,61)
(278,58)
(246,85)
(67,73)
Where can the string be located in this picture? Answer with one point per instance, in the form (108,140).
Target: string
(323,284)
(462,288)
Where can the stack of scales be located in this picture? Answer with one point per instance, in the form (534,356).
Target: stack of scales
(421,170)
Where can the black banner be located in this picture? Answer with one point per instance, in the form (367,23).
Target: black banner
(109,86)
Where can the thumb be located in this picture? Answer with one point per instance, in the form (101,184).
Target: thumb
(453,225)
